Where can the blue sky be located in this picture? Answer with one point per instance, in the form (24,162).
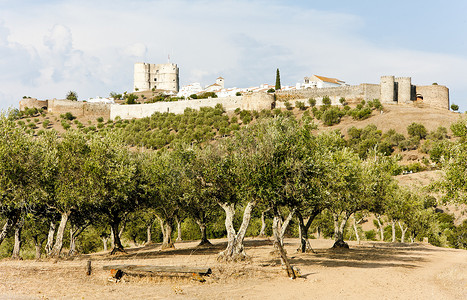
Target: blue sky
(50,47)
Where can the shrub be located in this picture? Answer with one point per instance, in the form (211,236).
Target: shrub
(288,105)
(312,102)
(100,119)
(237,110)
(71,95)
(68,116)
(300,105)
(342,101)
(238,94)
(271,90)
(454,107)
(331,116)
(65,125)
(45,123)
(194,96)
(417,130)
(131,99)
(326,100)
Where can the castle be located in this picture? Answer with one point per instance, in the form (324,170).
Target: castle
(158,77)
(390,90)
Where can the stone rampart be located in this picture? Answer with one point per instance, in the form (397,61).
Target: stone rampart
(257,101)
(32,103)
(78,108)
(363,91)
(434,95)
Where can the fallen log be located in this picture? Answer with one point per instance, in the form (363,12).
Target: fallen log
(160,269)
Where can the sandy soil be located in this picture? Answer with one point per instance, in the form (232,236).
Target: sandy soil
(371,270)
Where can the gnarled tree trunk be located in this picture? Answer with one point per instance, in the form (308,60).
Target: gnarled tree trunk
(179,230)
(57,248)
(104,242)
(17,245)
(204,238)
(167,229)
(50,238)
(235,250)
(403,231)
(339,227)
(148,234)
(303,227)
(380,227)
(393,226)
(38,246)
(9,224)
(74,233)
(278,230)
(262,232)
(117,247)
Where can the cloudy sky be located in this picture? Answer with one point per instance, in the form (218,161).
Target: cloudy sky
(49,47)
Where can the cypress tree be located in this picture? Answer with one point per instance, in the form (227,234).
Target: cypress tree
(278,80)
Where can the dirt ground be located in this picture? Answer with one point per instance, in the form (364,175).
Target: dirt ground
(372,270)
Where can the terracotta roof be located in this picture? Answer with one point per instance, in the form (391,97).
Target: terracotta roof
(331,80)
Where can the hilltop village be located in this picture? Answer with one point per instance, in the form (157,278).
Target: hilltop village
(163,79)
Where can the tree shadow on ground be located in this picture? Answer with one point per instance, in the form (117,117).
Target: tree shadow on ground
(154,250)
(383,256)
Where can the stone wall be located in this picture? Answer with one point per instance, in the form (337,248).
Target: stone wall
(434,95)
(79,109)
(32,103)
(363,91)
(257,101)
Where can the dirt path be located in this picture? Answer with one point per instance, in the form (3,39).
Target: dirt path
(368,271)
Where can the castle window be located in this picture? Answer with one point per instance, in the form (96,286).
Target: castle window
(155,79)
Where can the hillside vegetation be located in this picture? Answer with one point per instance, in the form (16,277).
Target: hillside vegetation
(92,178)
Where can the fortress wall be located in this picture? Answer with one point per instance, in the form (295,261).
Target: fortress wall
(78,108)
(434,95)
(363,91)
(31,103)
(257,101)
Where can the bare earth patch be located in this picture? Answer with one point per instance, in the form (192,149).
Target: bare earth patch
(371,270)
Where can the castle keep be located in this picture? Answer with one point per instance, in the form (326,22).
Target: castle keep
(158,77)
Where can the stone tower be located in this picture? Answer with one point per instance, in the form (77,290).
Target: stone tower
(152,76)
(388,89)
(404,89)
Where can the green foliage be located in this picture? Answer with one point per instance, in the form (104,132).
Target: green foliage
(271,90)
(312,102)
(131,98)
(116,96)
(71,95)
(417,130)
(300,105)
(68,116)
(65,125)
(454,107)
(459,128)
(278,80)
(288,105)
(238,94)
(326,100)
(100,119)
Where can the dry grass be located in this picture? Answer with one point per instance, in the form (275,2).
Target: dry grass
(414,271)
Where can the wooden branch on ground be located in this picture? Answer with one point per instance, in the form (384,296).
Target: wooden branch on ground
(160,269)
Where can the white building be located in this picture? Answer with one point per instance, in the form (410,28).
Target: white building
(316,81)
